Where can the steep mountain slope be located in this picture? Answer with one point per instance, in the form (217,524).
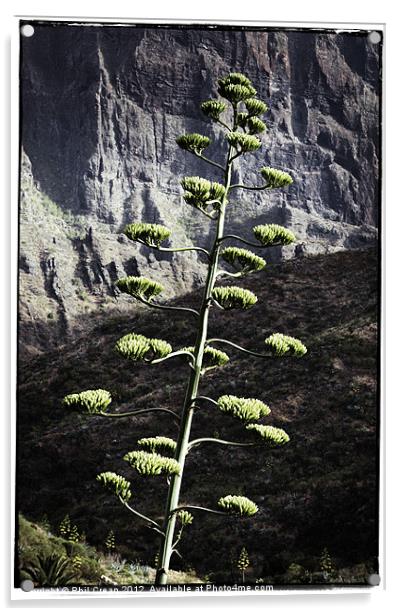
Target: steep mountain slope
(319,491)
(101,108)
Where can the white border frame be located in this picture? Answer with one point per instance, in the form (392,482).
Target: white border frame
(340,27)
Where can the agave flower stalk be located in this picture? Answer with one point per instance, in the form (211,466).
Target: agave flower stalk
(193,384)
(238,144)
(161,455)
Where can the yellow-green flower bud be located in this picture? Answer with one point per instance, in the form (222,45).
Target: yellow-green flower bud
(155,443)
(92,401)
(184,517)
(234,297)
(236,87)
(255,125)
(275,178)
(213,108)
(193,142)
(152,463)
(139,287)
(116,483)
(138,347)
(238,505)
(281,345)
(269,434)
(248,261)
(243,142)
(255,107)
(273,235)
(245,409)
(150,234)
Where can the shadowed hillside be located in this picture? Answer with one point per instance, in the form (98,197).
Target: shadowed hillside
(318,492)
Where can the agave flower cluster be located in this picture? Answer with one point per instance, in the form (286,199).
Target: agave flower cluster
(238,505)
(273,235)
(91,401)
(117,484)
(285,345)
(275,178)
(213,109)
(230,298)
(245,409)
(236,88)
(155,443)
(139,287)
(140,348)
(247,260)
(193,142)
(151,235)
(243,143)
(269,434)
(252,124)
(202,194)
(249,410)
(152,463)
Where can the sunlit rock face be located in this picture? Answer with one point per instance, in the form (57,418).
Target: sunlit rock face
(101,109)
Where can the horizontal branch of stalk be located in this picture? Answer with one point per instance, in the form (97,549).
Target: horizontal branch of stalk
(179,249)
(208,160)
(206,398)
(152,524)
(239,348)
(218,441)
(164,307)
(198,508)
(174,354)
(140,412)
(253,244)
(231,274)
(264,187)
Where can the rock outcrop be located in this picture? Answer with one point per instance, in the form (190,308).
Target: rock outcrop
(101,108)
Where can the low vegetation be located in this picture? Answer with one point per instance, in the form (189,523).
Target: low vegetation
(55,561)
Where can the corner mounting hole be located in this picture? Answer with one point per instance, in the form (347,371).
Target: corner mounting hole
(374,37)
(374,579)
(27,30)
(27,585)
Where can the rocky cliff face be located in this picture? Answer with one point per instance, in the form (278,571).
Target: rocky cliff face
(101,108)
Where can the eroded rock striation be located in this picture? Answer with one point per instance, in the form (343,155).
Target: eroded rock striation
(101,109)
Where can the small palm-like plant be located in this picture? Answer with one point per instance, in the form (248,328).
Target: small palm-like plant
(238,114)
(51,571)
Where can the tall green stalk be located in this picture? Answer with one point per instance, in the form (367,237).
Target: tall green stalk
(212,199)
(192,387)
